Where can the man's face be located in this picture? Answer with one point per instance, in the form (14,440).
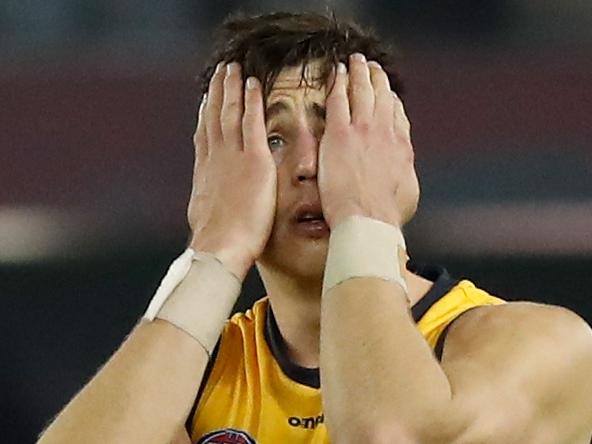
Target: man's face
(295,122)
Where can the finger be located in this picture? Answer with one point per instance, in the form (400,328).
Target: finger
(201,149)
(214,106)
(199,138)
(361,93)
(402,125)
(253,123)
(232,107)
(383,97)
(337,102)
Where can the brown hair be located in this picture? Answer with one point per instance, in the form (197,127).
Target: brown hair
(265,44)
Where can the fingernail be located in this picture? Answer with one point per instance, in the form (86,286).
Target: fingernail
(231,68)
(219,67)
(251,83)
(341,69)
(374,64)
(358,56)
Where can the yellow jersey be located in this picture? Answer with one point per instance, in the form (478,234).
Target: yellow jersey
(252,393)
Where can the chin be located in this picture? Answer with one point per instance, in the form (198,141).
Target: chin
(298,257)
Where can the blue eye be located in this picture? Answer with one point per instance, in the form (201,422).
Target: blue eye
(275,142)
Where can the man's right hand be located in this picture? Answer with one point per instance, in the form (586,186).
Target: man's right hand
(233,199)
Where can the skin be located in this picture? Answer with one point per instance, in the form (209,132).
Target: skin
(524,384)
(297,134)
(360,162)
(233,148)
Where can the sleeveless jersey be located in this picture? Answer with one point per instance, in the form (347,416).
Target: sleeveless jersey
(252,393)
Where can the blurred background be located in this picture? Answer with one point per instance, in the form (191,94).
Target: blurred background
(97,109)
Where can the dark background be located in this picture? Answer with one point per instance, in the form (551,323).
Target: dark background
(97,109)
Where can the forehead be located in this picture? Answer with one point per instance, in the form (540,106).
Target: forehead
(291,84)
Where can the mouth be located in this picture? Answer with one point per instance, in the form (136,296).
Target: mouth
(310,222)
(309,213)
(311,219)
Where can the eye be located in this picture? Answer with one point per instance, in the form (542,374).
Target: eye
(274,142)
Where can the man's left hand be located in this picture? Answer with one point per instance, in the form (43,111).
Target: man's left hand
(365,155)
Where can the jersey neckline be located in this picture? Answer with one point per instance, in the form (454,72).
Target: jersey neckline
(442,284)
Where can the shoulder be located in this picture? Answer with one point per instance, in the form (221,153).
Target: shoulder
(548,324)
(532,355)
(547,332)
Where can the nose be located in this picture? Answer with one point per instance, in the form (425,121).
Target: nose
(306,155)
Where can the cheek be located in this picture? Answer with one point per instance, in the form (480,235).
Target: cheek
(278,156)
(283,173)
(283,189)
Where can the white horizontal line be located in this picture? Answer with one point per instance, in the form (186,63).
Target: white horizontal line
(32,234)
(533,228)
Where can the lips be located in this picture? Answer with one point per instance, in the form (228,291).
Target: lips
(308,213)
(311,217)
(309,221)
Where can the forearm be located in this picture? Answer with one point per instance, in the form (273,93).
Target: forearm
(142,395)
(375,361)
(145,391)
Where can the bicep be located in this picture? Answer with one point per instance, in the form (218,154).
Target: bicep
(511,366)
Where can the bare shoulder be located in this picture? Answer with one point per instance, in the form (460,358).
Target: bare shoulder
(531,358)
(542,323)
(525,334)
(181,437)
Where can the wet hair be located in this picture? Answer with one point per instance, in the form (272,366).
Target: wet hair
(265,44)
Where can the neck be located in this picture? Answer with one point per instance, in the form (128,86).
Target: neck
(296,305)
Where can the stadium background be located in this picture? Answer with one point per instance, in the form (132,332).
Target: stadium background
(97,106)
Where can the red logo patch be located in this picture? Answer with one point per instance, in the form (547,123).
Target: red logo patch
(227,436)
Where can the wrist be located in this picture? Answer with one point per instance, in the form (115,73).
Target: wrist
(337,217)
(196,295)
(360,246)
(234,261)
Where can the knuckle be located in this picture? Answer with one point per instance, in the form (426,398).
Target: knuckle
(363,126)
(229,121)
(398,104)
(247,121)
(250,109)
(249,118)
(334,100)
(199,139)
(403,140)
(387,132)
(358,89)
(214,81)
(389,99)
(229,83)
(339,128)
(232,104)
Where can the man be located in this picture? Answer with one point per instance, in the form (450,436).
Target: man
(304,166)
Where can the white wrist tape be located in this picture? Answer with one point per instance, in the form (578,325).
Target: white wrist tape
(196,295)
(364,247)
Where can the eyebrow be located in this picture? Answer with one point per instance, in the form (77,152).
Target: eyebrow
(281,106)
(276,108)
(319,111)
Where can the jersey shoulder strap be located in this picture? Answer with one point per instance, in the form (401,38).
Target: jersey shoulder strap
(463,297)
